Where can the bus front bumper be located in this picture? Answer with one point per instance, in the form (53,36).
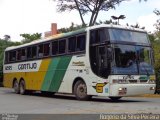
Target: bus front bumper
(131,89)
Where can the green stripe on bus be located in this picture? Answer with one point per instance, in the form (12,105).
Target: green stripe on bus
(50,73)
(56,71)
(59,73)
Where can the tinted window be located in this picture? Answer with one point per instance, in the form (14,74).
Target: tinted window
(6,57)
(40,50)
(54,47)
(19,52)
(72,44)
(23,57)
(34,52)
(29,52)
(101,35)
(12,56)
(128,36)
(46,49)
(94,36)
(81,40)
(62,46)
(98,36)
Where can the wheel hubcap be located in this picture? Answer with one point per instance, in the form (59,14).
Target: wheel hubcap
(82,90)
(21,88)
(16,86)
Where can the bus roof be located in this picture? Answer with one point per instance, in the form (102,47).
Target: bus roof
(62,35)
(117,26)
(53,37)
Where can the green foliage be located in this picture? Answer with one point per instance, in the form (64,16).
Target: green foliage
(106,22)
(156,44)
(137,26)
(73,27)
(3,45)
(151,37)
(157,24)
(30,37)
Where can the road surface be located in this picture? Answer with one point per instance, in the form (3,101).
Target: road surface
(67,104)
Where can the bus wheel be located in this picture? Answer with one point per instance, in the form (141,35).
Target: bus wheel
(16,87)
(22,87)
(115,98)
(80,91)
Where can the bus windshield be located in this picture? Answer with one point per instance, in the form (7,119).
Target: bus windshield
(120,51)
(118,35)
(131,59)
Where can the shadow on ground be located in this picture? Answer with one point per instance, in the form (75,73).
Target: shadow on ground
(72,97)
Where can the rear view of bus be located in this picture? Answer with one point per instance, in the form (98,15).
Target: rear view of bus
(124,57)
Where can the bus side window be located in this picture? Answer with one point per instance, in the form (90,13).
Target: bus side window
(34,52)
(94,36)
(55,48)
(62,46)
(12,56)
(101,35)
(6,57)
(46,49)
(23,57)
(40,50)
(81,42)
(19,54)
(97,36)
(72,44)
(29,53)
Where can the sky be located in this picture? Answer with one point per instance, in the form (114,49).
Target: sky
(31,16)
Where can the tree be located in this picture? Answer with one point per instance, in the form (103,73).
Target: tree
(73,27)
(157,24)
(106,22)
(87,6)
(7,37)
(30,37)
(118,18)
(3,45)
(136,26)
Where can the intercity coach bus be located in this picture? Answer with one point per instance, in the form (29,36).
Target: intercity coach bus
(103,60)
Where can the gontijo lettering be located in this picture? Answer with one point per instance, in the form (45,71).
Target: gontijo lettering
(27,66)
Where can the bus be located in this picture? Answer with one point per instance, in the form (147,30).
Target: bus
(103,60)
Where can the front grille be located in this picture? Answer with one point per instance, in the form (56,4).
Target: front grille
(143,81)
(133,81)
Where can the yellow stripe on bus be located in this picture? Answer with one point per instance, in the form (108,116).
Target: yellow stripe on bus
(33,80)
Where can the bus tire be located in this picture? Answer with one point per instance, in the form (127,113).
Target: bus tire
(16,87)
(80,90)
(22,87)
(115,98)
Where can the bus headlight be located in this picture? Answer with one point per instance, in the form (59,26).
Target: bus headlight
(122,91)
(152,88)
(120,81)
